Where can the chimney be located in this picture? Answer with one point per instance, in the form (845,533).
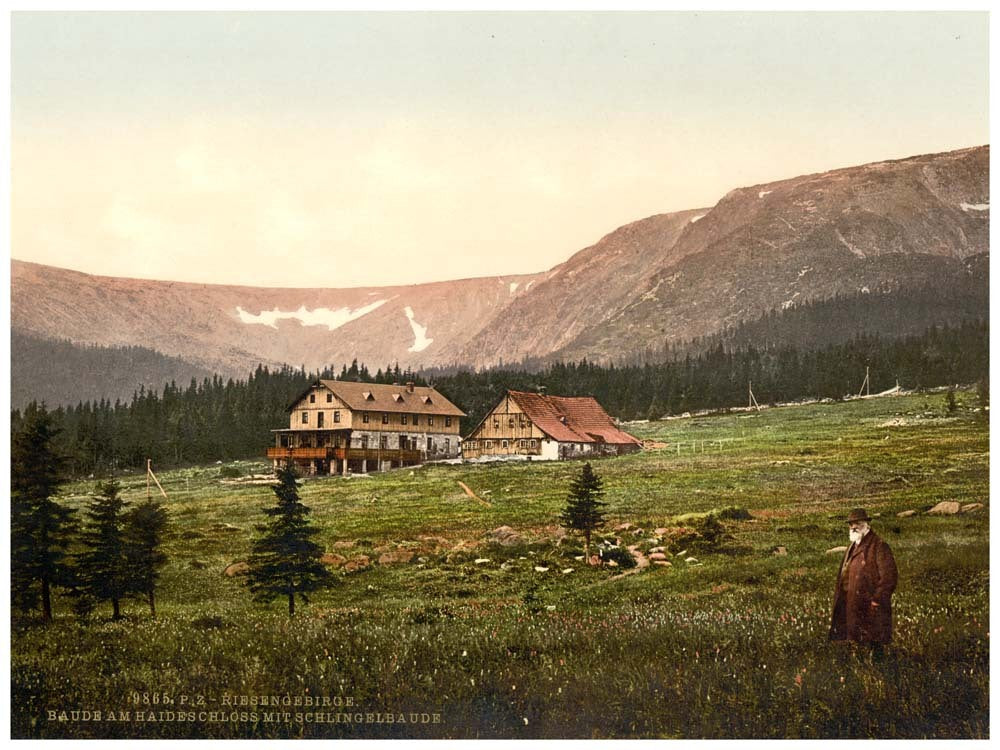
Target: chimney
(541,390)
(409,386)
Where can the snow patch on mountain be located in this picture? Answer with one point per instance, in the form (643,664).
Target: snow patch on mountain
(321,316)
(975,206)
(699,216)
(420,340)
(513,287)
(762,193)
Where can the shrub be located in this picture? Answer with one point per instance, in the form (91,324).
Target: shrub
(230,472)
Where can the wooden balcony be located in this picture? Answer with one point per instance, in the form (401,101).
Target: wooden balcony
(351,454)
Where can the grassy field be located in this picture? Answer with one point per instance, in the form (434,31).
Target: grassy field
(454,636)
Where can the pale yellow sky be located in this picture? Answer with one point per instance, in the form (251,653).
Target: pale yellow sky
(355,149)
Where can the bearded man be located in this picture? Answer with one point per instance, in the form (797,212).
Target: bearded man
(862,608)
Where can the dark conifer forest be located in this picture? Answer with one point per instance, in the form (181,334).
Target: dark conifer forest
(221,420)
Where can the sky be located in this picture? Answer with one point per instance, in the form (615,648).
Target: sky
(370,149)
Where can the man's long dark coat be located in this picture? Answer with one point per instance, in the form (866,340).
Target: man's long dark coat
(867,574)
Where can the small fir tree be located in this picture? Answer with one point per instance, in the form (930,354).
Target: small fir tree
(950,404)
(104,569)
(40,527)
(284,560)
(583,510)
(145,528)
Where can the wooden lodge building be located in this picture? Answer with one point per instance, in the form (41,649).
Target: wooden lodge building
(548,428)
(340,426)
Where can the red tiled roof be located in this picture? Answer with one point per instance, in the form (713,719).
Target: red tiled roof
(571,419)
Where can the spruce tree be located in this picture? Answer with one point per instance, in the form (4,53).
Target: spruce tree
(583,509)
(40,527)
(145,528)
(104,570)
(284,560)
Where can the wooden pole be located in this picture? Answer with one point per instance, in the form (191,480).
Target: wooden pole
(150,474)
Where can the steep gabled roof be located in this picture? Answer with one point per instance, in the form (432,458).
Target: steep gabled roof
(390,398)
(571,419)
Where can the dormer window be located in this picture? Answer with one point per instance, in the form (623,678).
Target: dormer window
(397,397)
(368,396)
(312,398)
(426,399)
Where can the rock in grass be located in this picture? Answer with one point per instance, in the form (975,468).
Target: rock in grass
(946,508)
(657,556)
(505,536)
(358,563)
(690,559)
(662,562)
(972,507)
(567,571)
(396,556)
(836,550)
(199,564)
(780,551)
(333,559)
(541,569)
(236,569)
(906,514)
(481,561)
(344,544)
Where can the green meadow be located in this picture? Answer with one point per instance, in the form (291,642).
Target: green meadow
(436,630)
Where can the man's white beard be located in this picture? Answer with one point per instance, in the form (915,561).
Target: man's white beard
(856,536)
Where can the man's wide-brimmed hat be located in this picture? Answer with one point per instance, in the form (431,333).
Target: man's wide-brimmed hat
(858,514)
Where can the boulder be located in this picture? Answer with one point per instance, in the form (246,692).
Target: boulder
(972,507)
(657,556)
(344,544)
(567,571)
(482,561)
(780,551)
(358,563)
(622,527)
(541,569)
(946,508)
(236,569)
(653,550)
(333,559)
(906,514)
(836,550)
(394,556)
(690,559)
(662,562)
(661,531)
(505,536)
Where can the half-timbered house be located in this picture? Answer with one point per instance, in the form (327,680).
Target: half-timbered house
(547,428)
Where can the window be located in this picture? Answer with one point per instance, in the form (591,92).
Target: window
(329,398)
(312,398)
(385,418)
(430,420)
(384,442)
(305,417)
(319,418)
(416,419)
(534,443)
(520,443)
(402,419)
(336,416)
(496,422)
(503,444)
(447,421)
(489,443)
(510,422)
(364,417)
(447,445)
